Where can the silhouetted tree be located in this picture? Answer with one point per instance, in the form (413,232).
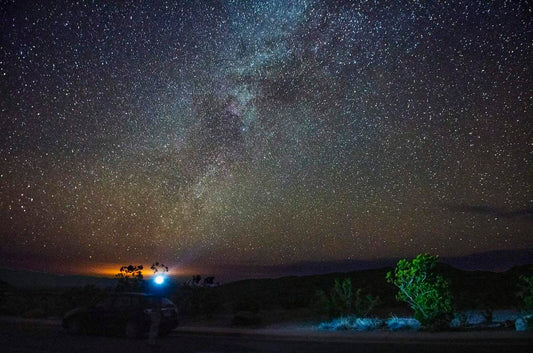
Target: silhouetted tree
(159,267)
(209,282)
(196,280)
(130,279)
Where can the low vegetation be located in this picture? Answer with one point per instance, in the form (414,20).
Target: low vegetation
(343,300)
(346,301)
(352,323)
(526,292)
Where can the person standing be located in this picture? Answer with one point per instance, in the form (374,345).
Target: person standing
(155,321)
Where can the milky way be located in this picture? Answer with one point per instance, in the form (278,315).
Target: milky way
(257,133)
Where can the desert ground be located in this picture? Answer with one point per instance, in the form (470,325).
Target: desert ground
(47,336)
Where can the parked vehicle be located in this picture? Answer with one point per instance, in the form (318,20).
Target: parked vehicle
(122,313)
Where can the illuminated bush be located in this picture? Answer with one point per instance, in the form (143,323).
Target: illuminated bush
(351,323)
(402,324)
(426,293)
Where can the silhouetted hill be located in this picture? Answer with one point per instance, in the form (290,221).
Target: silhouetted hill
(471,289)
(29,279)
(496,260)
(53,294)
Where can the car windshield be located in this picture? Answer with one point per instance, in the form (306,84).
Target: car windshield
(165,303)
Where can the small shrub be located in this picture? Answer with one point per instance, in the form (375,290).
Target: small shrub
(526,292)
(352,323)
(367,324)
(458,321)
(521,324)
(426,293)
(344,301)
(403,324)
(474,317)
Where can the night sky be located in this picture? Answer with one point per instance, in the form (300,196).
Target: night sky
(212,135)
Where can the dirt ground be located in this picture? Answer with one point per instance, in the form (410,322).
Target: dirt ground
(47,336)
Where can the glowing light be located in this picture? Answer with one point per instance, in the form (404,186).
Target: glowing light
(159,279)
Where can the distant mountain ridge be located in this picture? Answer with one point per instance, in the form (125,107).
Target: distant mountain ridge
(33,279)
(493,261)
(470,289)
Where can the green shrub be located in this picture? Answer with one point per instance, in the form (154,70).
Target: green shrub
(526,292)
(344,301)
(426,293)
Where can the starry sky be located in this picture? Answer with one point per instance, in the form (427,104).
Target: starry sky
(247,134)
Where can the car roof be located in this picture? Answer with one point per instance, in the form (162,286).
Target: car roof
(136,294)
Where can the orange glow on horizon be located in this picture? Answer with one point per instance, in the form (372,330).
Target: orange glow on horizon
(111,269)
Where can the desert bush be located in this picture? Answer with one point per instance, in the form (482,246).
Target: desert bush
(339,324)
(352,323)
(426,293)
(344,301)
(526,292)
(402,324)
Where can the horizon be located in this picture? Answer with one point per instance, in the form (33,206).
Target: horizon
(252,136)
(495,261)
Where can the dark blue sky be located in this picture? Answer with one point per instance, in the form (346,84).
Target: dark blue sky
(206,134)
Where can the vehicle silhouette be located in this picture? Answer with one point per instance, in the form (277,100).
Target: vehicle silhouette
(122,314)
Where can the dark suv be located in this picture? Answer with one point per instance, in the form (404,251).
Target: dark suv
(122,313)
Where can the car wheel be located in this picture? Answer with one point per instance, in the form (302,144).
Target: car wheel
(74,327)
(132,329)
